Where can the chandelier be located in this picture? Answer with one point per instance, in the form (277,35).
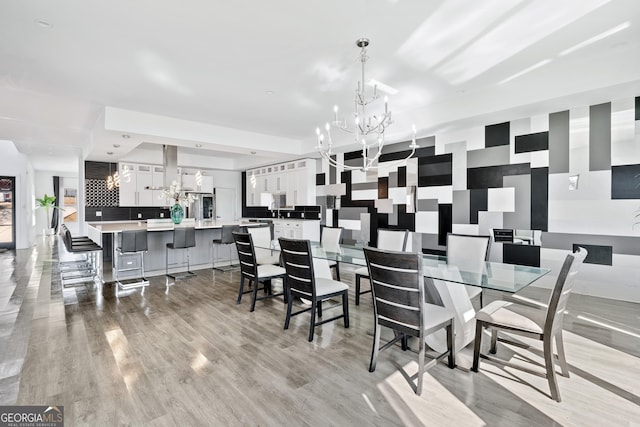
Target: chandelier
(368,131)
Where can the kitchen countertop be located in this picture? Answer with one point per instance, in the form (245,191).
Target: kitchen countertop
(118,226)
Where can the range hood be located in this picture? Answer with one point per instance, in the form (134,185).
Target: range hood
(170,168)
(170,163)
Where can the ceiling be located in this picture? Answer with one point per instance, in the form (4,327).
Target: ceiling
(249,81)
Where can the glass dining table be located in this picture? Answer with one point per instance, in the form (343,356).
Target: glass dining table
(443,283)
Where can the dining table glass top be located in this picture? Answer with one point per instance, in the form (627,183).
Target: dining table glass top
(490,275)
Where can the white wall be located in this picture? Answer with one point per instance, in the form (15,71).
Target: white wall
(14,163)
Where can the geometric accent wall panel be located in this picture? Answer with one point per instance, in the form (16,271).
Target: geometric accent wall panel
(532,142)
(478,201)
(559,142)
(444,223)
(600,137)
(540,199)
(492,176)
(637,115)
(521,217)
(596,254)
(501,200)
(497,134)
(625,182)
(435,170)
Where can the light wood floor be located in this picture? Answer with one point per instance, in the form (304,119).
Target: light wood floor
(194,357)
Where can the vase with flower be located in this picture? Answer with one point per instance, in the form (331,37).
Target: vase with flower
(180,199)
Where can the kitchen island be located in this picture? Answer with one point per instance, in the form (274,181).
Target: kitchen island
(161,233)
(106,233)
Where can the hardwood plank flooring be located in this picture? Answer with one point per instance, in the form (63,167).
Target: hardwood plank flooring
(194,357)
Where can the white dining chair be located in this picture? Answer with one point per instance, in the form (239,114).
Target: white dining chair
(261,236)
(469,253)
(388,240)
(330,242)
(544,324)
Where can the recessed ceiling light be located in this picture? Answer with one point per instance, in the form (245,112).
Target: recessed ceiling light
(116,145)
(110,153)
(253,152)
(198,145)
(125,136)
(43,24)
(269,92)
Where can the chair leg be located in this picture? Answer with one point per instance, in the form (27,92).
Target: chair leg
(358,277)
(420,364)
(337,271)
(255,295)
(481,302)
(241,291)
(476,346)
(494,341)
(404,341)
(289,305)
(312,325)
(561,356)
(550,367)
(375,349)
(319,306)
(345,308)
(451,344)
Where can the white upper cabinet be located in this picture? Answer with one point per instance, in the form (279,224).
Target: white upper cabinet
(128,190)
(294,179)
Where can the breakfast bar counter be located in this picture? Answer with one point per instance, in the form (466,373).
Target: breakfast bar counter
(107,234)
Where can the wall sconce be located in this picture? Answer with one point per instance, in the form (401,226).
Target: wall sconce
(573,182)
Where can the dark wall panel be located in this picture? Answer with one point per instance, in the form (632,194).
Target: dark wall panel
(497,134)
(320,179)
(540,199)
(478,201)
(445,221)
(491,176)
(521,254)
(532,142)
(402,176)
(435,171)
(406,221)
(596,254)
(637,107)
(383,187)
(625,182)
(401,155)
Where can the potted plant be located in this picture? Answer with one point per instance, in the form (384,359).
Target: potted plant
(48,203)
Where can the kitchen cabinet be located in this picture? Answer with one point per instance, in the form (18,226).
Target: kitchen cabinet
(144,182)
(128,189)
(157,180)
(297,229)
(296,180)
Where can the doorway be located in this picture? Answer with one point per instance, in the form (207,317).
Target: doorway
(7,212)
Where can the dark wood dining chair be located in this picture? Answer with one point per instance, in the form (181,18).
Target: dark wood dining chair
(391,240)
(397,284)
(255,274)
(535,322)
(303,283)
